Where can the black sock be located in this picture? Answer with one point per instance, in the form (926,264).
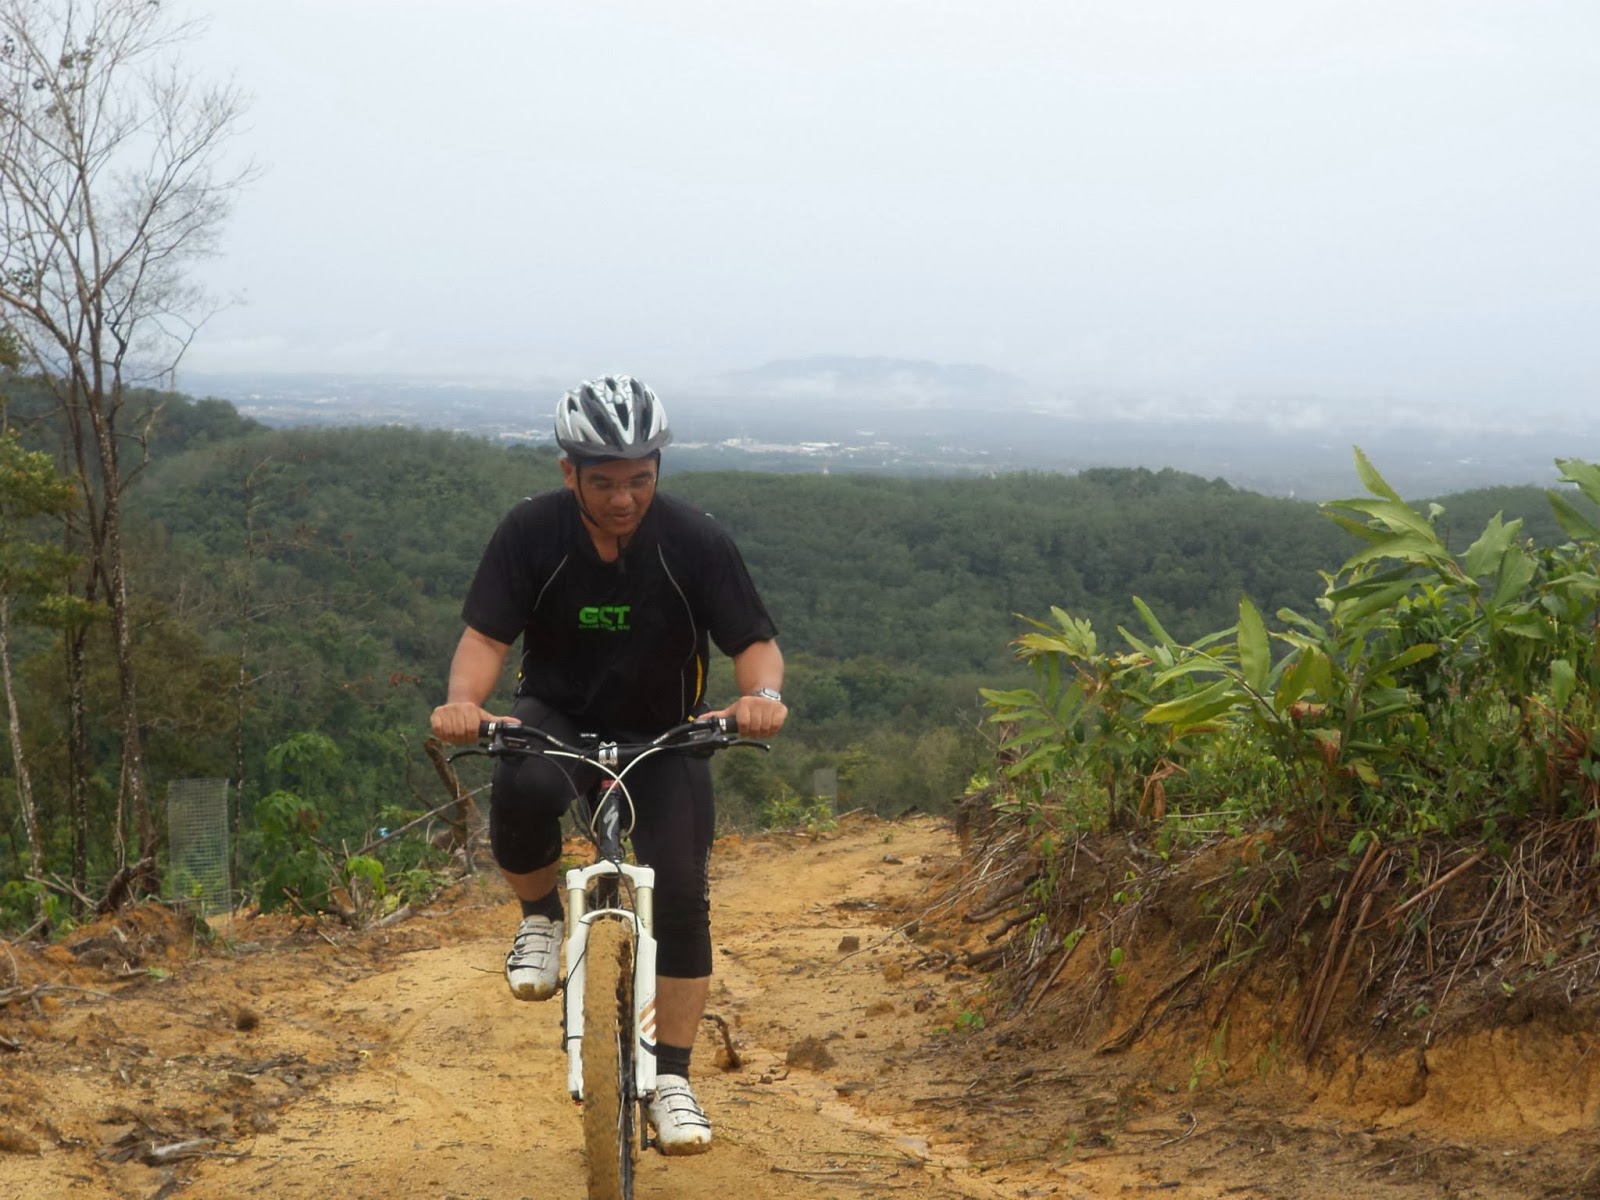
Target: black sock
(673,1060)
(548,905)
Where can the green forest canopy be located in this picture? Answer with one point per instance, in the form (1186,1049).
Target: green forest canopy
(325,569)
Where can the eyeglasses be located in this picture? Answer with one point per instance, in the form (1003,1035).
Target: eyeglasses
(640,484)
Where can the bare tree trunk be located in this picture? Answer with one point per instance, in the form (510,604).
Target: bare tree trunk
(131,790)
(30,821)
(78,762)
(247,592)
(237,864)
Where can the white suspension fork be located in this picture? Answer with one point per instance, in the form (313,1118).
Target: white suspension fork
(641,918)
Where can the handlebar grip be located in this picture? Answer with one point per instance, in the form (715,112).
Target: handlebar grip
(488,729)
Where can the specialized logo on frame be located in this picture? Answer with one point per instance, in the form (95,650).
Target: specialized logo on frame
(611,617)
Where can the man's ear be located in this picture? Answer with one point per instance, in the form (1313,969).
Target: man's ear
(569,474)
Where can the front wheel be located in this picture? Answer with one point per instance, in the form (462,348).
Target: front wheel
(609,1103)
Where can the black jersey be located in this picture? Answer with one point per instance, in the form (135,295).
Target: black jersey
(622,644)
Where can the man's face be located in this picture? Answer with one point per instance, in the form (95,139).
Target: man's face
(615,495)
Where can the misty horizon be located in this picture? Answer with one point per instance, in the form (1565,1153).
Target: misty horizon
(871,382)
(779,418)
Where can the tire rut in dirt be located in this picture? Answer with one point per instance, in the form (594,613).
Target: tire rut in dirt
(608,1101)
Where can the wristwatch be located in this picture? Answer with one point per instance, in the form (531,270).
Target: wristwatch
(768,694)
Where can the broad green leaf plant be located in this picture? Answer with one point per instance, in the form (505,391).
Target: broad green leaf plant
(1430,690)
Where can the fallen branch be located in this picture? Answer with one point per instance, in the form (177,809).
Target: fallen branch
(897,931)
(1325,1001)
(461,823)
(122,886)
(1131,1034)
(1194,1123)
(733,1061)
(1072,944)
(980,959)
(999,903)
(1456,966)
(56,883)
(1430,889)
(1320,997)
(1011,923)
(894,1156)
(316,920)
(394,833)
(39,926)
(14,994)
(158,1156)
(394,918)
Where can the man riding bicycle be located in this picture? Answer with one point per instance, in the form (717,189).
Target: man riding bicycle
(616,592)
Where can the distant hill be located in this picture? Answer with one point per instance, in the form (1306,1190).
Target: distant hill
(836,413)
(888,382)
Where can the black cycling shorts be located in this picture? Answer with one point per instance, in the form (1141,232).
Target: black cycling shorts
(674,821)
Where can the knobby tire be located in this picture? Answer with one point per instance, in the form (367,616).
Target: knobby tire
(609,1104)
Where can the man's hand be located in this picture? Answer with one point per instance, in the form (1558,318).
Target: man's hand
(458,722)
(756,716)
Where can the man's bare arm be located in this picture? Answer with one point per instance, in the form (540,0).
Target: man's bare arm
(758,665)
(474,671)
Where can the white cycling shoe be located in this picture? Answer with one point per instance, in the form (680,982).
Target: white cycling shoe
(533,968)
(679,1121)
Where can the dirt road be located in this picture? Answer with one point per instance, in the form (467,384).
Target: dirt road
(397,1064)
(293,1061)
(467,1096)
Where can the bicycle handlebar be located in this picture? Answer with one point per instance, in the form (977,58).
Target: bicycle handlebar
(506,738)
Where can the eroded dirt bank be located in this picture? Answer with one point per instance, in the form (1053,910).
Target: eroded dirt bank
(295,1063)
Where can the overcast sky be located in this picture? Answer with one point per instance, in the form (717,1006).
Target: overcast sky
(1362,198)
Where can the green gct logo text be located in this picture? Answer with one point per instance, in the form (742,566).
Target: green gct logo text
(604,616)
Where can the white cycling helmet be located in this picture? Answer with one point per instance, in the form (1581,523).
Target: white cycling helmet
(613,417)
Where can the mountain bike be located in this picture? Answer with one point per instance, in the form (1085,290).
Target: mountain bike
(608,1011)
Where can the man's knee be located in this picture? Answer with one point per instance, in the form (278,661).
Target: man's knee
(522,847)
(526,802)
